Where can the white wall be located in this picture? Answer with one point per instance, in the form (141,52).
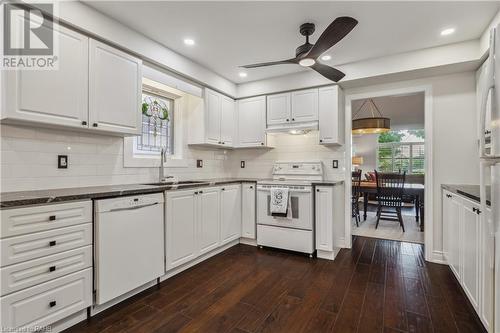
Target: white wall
(366,146)
(455,148)
(286,148)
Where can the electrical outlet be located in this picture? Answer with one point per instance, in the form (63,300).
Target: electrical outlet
(62,161)
(335,164)
(199,163)
(242,164)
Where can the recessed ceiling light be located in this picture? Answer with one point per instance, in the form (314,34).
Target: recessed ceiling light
(447,32)
(189,41)
(326,57)
(307,62)
(243,74)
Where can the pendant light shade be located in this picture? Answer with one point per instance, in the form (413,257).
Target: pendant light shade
(375,124)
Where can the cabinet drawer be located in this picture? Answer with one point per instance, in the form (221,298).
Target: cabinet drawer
(47,303)
(21,248)
(26,220)
(30,273)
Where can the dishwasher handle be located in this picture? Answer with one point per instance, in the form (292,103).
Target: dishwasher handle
(133,207)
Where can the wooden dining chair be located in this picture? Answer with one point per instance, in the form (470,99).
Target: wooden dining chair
(356,193)
(390,191)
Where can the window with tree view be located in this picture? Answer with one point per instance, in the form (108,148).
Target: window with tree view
(401,151)
(157,125)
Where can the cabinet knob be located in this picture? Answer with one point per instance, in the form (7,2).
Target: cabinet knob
(317,190)
(52,304)
(288,120)
(293,119)
(223,143)
(219,142)
(200,192)
(320,140)
(487,132)
(52,218)
(52,268)
(223,189)
(84,123)
(195,192)
(262,143)
(251,186)
(95,125)
(52,243)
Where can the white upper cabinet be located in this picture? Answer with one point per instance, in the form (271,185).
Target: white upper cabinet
(52,97)
(304,106)
(251,124)
(115,90)
(214,123)
(227,121)
(95,87)
(331,115)
(212,116)
(278,109)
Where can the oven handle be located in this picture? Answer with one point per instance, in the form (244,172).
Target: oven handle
(292,190)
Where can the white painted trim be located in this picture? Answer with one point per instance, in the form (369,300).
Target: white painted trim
(379,91)
(248,241)
(328,255)
(438,258)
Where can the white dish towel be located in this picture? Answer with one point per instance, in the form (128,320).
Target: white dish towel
(279,201)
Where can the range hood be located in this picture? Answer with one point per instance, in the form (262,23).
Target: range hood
(294,128)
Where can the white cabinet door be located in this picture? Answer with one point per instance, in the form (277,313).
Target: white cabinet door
(252,122)
(181,228)
(324,218)
(53,97)
(230,213)
(227,121)
(208,218)
(330,115)
(455,236)
(470,248)
(486,274)
(304,105)
(248,222)
(115,90)
(212,117)
(278,109)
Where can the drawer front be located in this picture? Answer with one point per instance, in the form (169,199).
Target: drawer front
(29,273)
(21,248)
(47,303)
(19,221)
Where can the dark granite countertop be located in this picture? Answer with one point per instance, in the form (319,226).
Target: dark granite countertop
(328,182)
(24,198)
(469,191)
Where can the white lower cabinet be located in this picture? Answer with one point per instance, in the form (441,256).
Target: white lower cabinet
(199,221)
(209,217)
(324,218)
(230,213)
(468,248)
(248,218)
(181,227)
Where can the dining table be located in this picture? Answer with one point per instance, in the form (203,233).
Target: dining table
(414,190)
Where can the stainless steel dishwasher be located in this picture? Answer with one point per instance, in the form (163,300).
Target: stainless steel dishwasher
(129,244)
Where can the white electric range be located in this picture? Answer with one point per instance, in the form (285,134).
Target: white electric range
(296,231)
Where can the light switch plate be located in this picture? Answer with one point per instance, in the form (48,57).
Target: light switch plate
(335,164)
(242,164)
(199,163)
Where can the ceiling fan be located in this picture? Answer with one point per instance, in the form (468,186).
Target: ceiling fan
(306,55)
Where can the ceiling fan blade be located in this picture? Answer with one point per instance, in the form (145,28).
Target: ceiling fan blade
(329,72)
(337,30)
(271,63)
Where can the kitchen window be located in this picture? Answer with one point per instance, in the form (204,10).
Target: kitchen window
(157,125)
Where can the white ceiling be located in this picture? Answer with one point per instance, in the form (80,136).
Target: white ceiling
(404,111)
(230,34)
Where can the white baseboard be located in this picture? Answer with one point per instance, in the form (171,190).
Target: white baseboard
(204,257)
(438,258)
(329,255)
(67,322)
(248,241)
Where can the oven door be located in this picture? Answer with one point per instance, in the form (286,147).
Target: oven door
(301,202)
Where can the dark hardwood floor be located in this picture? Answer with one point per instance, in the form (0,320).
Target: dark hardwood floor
(377,286)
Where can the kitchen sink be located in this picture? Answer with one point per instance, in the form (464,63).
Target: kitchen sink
(182,182)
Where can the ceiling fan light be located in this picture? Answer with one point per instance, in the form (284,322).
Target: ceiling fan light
(307,62)
(373,125)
